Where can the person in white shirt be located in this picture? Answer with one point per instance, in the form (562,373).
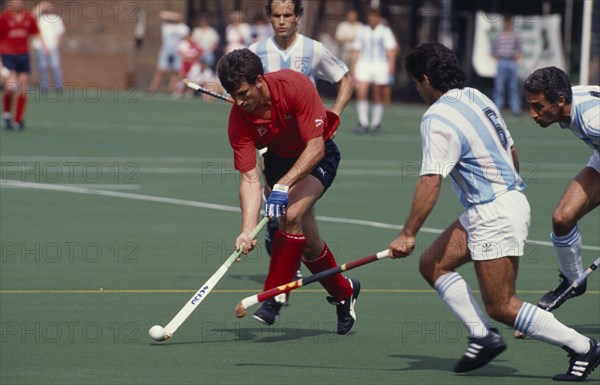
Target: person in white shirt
(464,136)
(46,46)
(208,39)
(173,30)
(290,49)
(373,65)
(237,33)
(345,34)
(552,100)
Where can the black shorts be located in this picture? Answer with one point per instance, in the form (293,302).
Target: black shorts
(276,166)
(18,63)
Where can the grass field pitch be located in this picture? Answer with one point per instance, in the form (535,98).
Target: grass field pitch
(115,208)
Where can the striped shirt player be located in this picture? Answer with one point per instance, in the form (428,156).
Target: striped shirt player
(373,67)
(552,99)
(464,136)
(305,55)
(585,117)
(374,45)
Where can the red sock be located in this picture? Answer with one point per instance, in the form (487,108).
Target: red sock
(337,286)
(21,102)
(7,101)
(287,250)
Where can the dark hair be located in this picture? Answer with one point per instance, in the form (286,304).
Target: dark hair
(438,63)
(552,82)
(298,8)
(239,66)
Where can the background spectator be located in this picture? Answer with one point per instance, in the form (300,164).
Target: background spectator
(173,30)
(238,33)
(346,33)
(507,50)
(17,25)
(207,38)
(52,30)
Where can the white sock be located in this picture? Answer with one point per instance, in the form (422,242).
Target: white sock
(541,325)
(453,290)
(6,115)
(362,108)
(568,251)
(377,115)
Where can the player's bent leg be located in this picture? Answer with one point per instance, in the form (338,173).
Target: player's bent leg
(448,252)
(343,291)
(581,196)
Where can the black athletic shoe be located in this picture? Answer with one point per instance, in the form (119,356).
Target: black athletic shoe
(272,227)
(8,124)
(268,312)
(481,350)
(361,129)
(345,309)
(581,365)
(18,126)
(375,130)
(552,295)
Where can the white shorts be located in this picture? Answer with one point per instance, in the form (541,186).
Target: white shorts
(372,72)
(594,161)
(499,228)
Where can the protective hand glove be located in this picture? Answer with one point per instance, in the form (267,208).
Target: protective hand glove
(277,202)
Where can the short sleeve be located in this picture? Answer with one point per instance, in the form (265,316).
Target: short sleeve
(331,68)
(441,147)
(244,150)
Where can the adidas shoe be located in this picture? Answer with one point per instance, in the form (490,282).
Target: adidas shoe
(345,309)
(19,126)
(481,350)
(8,124)
(268,312)
(552,295)
(581,365)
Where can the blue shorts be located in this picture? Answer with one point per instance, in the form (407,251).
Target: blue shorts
(276,166)
(18,63)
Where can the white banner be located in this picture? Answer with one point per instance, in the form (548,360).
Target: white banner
(542,42)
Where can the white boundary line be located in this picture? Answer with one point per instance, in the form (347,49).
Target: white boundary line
(212,206)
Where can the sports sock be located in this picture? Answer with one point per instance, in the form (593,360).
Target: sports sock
(568,251)
(453,290)
(7,102)
(336,285)
(286,252)
(362,108)
(541,325)
(20,110)
(377,115)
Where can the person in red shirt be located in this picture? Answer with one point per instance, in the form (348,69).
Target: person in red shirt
(283,111)
(17,25)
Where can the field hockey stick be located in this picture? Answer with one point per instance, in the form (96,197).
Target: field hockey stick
(199,89)
(240,309)
(205,289)
(563,297)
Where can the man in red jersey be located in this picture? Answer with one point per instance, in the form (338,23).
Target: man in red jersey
(17,25)
(283,111)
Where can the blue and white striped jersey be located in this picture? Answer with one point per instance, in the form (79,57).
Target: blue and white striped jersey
(374,44)
(585,115)
(305,55)
(463,135)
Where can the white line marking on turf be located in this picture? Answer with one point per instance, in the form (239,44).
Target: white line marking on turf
(212,206)
(95,186)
